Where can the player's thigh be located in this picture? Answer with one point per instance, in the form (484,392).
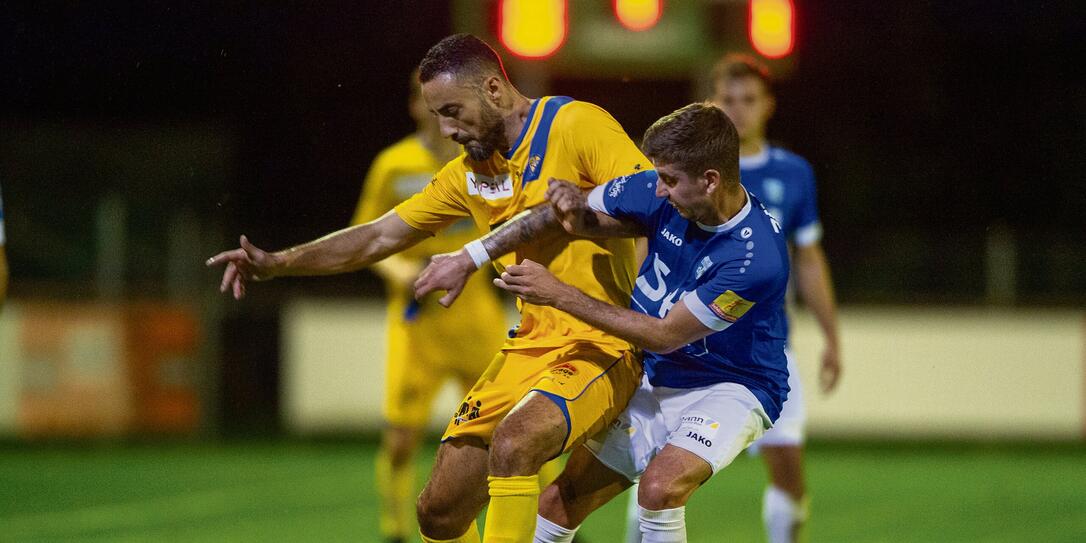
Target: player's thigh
(588,384)
(591,386)
(584,485)
(630,442)
(715,422)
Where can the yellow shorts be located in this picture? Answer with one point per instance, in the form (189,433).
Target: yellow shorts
(429,344)
(590,383)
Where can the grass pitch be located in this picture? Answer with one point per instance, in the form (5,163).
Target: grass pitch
(323,491)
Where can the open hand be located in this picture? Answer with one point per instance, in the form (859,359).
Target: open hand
(244,264)
(448,272)
(830,372)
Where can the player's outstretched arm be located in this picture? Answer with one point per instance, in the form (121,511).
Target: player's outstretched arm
(571,208)
(533,283)
(450,271)
(346,250)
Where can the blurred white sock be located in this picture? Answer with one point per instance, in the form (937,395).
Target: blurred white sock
(633,525)
(782,515)
(664,526)
(549,532)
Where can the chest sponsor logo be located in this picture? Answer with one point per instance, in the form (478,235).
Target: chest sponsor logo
(675,240)
(730,306)
(490,188)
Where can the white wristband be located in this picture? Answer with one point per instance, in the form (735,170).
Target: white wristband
(477,252)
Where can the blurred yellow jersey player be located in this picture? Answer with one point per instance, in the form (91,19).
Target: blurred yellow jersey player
(549,351)
(426,343)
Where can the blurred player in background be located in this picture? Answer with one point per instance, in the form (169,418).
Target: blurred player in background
(556,380)
(3,257)
(426,343)
(785,183)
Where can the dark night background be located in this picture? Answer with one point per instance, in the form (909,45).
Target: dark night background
(928,123)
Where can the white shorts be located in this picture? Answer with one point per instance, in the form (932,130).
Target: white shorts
(715,423)
(788,431)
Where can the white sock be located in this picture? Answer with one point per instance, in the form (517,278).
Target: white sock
(633,524)
(664,526)
(549,532)
(782,515)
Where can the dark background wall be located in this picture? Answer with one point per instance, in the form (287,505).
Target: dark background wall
(932,126)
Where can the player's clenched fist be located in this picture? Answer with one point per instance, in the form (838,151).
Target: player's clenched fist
(570,205)
(244,264)
(533,283)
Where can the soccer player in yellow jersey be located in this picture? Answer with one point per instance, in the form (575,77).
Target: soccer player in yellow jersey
(426,343)
(556,381)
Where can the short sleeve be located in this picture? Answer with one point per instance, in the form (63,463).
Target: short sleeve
(727,296)
(630,197)
(441,203)
(808,226)
(603,149)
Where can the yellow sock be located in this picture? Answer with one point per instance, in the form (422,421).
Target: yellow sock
(514,502)
(396,488)
(471,536)
(549,472)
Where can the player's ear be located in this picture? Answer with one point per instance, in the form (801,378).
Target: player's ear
(712,180)
(493,89)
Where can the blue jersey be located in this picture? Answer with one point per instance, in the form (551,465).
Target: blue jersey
(785,184)
(731,276)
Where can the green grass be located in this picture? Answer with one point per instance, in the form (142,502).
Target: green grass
(324,492)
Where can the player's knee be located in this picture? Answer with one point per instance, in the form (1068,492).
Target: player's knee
(435,515)
(658,493)
(514,453)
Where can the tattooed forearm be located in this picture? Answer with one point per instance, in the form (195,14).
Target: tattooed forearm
(530,226)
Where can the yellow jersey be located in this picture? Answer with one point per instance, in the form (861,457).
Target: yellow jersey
(561,138)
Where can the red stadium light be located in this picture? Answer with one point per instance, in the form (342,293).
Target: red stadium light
(638,15)
(532,29)
(772,27)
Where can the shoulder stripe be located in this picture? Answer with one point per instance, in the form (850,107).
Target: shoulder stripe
(537,152)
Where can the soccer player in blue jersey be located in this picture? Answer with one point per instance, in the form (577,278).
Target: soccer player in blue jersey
(708,309)
(785,183)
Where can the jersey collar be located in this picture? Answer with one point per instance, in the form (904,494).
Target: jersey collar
(523,130)
(732,222)
(753,162)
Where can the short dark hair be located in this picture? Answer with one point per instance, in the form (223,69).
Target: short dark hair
(735,66)
(695,138)
(461,55)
